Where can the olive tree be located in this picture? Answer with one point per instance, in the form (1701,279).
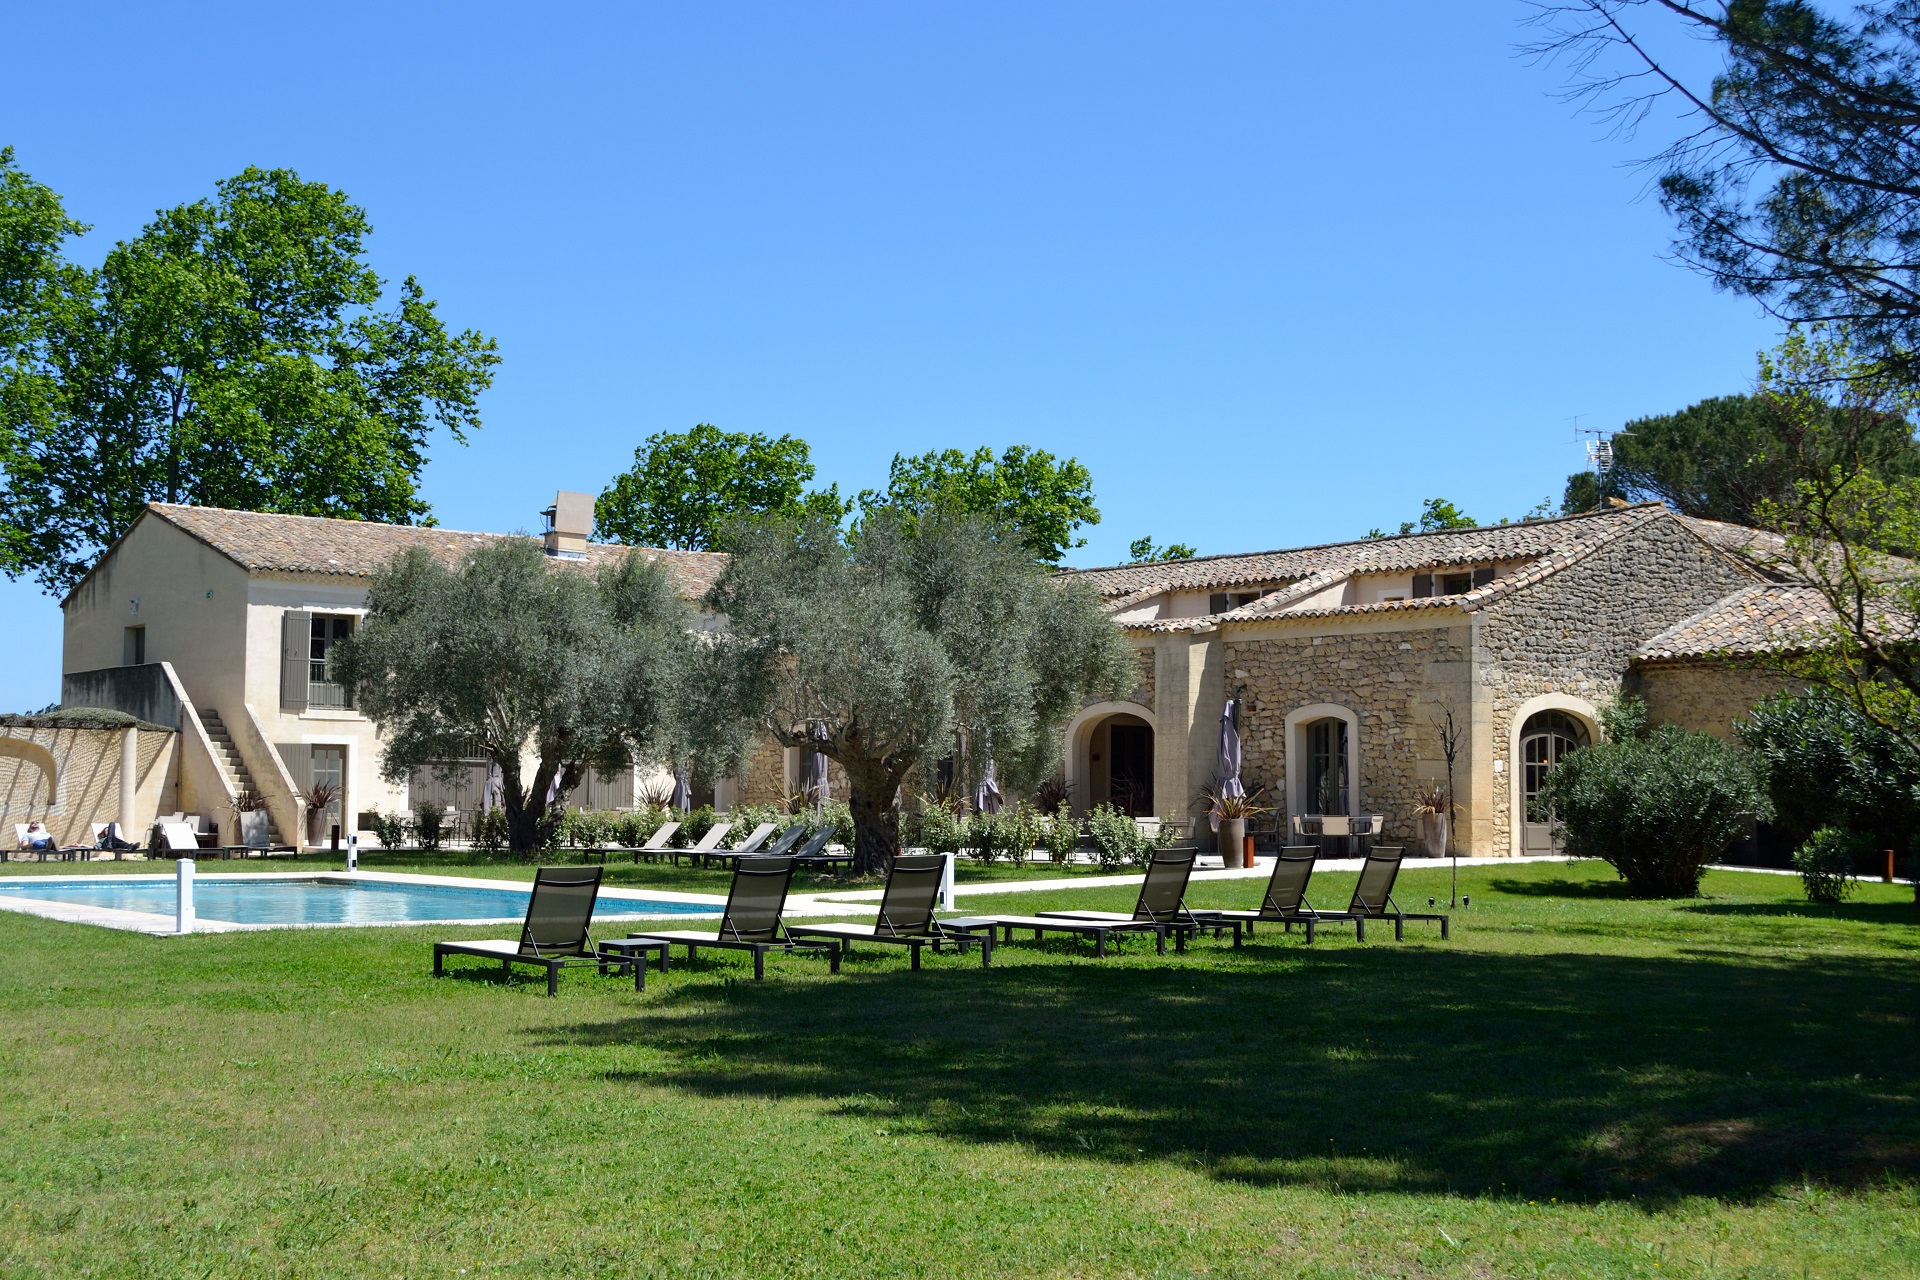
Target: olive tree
(513,656)
(893,641)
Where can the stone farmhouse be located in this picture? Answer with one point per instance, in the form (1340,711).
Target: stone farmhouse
(1344,657)
(1347,658)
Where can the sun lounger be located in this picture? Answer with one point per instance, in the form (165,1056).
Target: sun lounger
(906,914)
(751,923)
(657,842)
(813,855)
(746,848)
(1162,898)
(786,840)
(705,845)
(175,838)
(554,936)
(1373,895)
(1286,901)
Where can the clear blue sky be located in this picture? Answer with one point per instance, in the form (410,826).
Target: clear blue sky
(1275,272)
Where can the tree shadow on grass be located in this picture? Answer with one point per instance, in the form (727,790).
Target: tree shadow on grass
(1575,1076)
(1891,914)
(1614,890)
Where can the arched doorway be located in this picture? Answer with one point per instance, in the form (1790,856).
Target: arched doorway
(1546,738)
(1110,759)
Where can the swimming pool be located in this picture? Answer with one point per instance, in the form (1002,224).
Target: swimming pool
(258,900)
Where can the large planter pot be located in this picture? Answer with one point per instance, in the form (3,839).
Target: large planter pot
(1233,841)
(1433,834)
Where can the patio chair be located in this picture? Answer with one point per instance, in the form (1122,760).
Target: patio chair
(705,845)
(906,914)
(1373,895)
(657,842)
(751,922)
(554,936)
(1286,901)
(746,848)
(1162,897)
(174,838)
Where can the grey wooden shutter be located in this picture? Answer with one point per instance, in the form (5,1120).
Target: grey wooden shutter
(298,757)
(1481,577)
(1219,602)
(296,644)
(1422,585)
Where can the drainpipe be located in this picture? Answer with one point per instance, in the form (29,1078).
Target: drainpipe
(129,784)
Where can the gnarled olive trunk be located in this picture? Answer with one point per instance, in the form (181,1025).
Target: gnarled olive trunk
(530,819)
(873,794)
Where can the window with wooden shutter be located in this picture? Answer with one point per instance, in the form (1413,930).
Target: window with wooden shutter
(1422,585)
(296,638)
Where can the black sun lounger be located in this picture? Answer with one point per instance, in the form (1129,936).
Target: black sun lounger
(1286,901)
(751,923)
(554,936)
(656,844)
(1162,899)
(906,914)
(1373,895)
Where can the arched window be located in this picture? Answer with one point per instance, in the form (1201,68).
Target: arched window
(1545,740)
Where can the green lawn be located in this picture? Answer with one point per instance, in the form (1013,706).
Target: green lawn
(1576,1085)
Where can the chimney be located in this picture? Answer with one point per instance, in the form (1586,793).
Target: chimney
(569,521)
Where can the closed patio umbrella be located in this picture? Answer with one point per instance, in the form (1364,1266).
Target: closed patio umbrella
(986,796)
(814,777)
(493,795)
(1229,763)
(682,791)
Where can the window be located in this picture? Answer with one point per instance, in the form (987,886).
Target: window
(1452,583)
(1455,584)
(322,691)
(1221,601)
(1327,766)
(1546,739)
(133,650)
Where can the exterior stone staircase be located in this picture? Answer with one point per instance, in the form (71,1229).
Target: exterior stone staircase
(228,756)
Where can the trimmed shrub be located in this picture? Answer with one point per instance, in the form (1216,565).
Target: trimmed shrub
(636,827)
(1010,834)
(745,817)
(1826,861)
(694,825)
(1117,839)
(837,815)
(429,827)
(1657,807)
(490,830)
(936,828)
(390,829)
(1060,836)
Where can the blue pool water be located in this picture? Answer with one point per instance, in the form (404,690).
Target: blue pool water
(246,901)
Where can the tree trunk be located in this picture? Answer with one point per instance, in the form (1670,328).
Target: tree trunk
(873,794)
(530,819)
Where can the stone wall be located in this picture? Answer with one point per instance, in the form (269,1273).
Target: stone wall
(1393,681)
(1143,681)
(1707,696)
(69,778)
(764,781)
(1576,632)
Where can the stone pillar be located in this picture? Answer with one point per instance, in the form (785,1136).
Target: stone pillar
(129,784)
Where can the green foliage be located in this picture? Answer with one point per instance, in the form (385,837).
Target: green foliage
(1117,839)
(1043,499)
(490,834)
(837,816)
(1436,515)
(586,828)
(1061,835)
(685,488)
(936,828)
(1586,491)
(894,641)
(1825,763)
(746,817)
(1008,836)
(390,829)
(694,824)
(635,827)
(238,352)
(1826,861)
(1143,551)
(516,655)
(1658,807)
(428,826)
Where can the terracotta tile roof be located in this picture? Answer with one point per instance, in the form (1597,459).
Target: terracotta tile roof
(263,542)
(1766,618)
(1543,547)
(1367,555)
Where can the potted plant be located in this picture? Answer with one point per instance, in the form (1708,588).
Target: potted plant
(1229,814)
(320,796)
(1430,806)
